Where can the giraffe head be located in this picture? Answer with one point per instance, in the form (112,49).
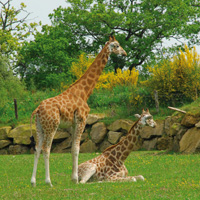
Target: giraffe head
(114,47)
(146,119)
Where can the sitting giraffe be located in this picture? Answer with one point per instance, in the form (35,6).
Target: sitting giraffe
(109,166)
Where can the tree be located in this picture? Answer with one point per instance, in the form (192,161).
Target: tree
(13,29)
(140,26)
(46,61)
(10,85)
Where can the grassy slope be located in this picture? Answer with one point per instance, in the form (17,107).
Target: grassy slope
(193,108)
(167,177)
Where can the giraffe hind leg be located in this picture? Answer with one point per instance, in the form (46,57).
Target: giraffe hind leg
(38,149)
(126,178)
(46,148)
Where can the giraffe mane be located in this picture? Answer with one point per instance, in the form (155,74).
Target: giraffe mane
(87,71)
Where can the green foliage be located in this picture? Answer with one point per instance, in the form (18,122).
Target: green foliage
(107,80)
(139,26)
(49,56)
(10,88)
(13,28)
(107,98)
(26,104)
(177,79)
(179,181)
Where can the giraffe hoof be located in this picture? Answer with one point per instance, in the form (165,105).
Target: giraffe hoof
(33,184)
(74,180)
(49,183)
(134,179)
(140,177)
(82,181)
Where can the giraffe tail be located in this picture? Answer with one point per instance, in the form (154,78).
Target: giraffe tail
(32,138)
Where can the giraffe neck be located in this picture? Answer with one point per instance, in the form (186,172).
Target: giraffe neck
(85,85)
(130,141)
(123,148)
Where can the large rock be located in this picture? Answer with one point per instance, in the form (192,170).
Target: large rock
(164,143)
(175,145)
(113,137)
(190,141)
(93,118)
(4,143)
(4,151)
(149,132)
(176,140)
(181,132)
(150,144)
(174,129)
(197,124)
(104,145)
(21,134)
(84,136)
(88,147)
(121,125)
(190,120)
(64,146)
(4,132)
(18,149)
(98,132)
(167,124)
(61,135)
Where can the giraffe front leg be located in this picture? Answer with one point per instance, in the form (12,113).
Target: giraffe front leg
(46,148)
(139,177)
(79,127)
(46,155)
(86,171)
(36,157)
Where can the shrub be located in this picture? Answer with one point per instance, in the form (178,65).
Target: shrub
(107,80)
(177,78)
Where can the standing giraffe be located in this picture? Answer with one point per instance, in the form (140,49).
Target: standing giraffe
(70,106)
(109,166)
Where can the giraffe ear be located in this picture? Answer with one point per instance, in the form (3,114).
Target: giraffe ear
(111,38)
(143,110)
(137,115)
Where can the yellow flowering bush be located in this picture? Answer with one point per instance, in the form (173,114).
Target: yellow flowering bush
(107,80)
(110,79)
(180,75)
(136,99)
(79,68)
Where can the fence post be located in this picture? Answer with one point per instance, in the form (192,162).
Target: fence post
(16,112)
(156,100)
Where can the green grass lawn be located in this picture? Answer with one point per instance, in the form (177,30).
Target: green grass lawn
(167,176)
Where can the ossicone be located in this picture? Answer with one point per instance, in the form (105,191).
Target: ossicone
(112,38)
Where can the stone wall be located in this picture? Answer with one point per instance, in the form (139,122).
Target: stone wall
(173,133)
